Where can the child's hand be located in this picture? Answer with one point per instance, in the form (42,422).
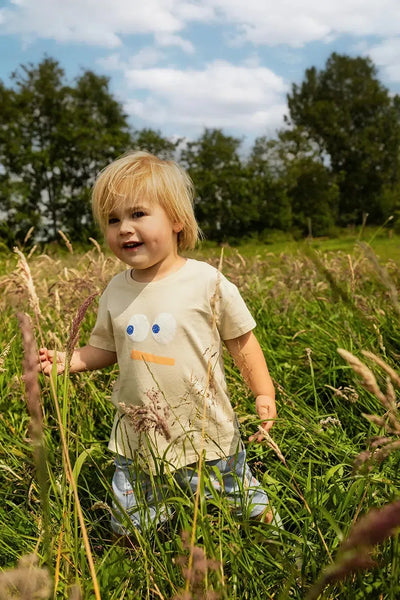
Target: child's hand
(46,361)
(266,410)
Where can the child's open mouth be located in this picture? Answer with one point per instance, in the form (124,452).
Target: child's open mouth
(132,245)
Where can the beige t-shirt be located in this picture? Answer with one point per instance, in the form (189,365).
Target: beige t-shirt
(168,338)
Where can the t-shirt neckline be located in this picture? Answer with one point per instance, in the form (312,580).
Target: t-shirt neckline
(167,278)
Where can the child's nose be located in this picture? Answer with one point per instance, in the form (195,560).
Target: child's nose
(126,226)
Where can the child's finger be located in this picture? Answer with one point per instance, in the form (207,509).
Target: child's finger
(256,437)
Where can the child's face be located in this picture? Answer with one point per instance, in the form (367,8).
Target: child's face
(144,238)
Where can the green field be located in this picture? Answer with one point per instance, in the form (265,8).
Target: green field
(309,299)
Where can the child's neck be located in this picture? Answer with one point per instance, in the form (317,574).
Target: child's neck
(159,271)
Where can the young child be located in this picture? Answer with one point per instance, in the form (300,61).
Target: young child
(164,320)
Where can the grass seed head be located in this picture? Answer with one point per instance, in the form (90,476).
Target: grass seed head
(395,377)
(196,573)
(272,444)
(80,315)
(154,415)
(367,377)
(67,242)
(374,527)
(26,276)
(26,582)
(30,377)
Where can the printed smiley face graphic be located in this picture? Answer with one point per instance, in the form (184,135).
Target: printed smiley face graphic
(162,330)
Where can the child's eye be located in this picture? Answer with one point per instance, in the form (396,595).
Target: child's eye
(137,214)
(112,220)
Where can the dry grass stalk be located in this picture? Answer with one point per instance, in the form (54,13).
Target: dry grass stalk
(96,245)
(273,445)
(4,353)
(381,448)
(391,372)
(26,582)
(32,251)
(389,423)
(66,240)
(28,235)
(383,275)
(26,276)
(390,393)
(368,378)
(351,273)
(152,416)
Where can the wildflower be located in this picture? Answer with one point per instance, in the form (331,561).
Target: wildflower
(346,392)
(330,422)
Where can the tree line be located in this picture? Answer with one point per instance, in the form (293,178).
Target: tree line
(335,160)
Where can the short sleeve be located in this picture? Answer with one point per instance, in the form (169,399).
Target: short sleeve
(234,318)
(102,335)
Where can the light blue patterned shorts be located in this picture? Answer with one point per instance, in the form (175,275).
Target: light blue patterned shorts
(142,498)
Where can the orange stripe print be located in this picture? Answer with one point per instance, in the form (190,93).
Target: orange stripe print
(147,357)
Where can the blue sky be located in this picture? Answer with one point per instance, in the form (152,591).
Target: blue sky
(181,65)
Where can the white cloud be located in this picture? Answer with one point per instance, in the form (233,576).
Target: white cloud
(97,22)
(112,62)
(146,57)
(221,95)
(261,22)
(169,39)
(387,56)
(267,22)
(247,97)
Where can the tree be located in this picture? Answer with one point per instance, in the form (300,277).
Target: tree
(296,188)
(269,187)
(54,138)
(350,115)
(154,142)
(224,206)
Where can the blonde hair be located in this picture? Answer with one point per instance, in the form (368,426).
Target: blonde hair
(137,175)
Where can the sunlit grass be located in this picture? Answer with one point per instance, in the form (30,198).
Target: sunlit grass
(306,306)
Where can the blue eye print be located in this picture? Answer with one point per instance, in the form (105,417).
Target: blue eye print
(138,327)
(163,328)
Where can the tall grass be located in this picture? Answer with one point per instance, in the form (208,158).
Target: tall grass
(307,305)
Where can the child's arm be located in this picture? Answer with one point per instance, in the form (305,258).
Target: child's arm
(86,358)
(249,358)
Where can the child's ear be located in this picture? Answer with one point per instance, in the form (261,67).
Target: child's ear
(177,227)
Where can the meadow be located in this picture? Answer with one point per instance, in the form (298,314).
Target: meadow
(331,469)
